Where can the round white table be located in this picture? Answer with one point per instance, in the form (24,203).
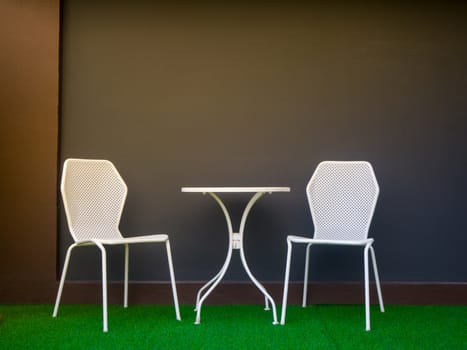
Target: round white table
(235,241)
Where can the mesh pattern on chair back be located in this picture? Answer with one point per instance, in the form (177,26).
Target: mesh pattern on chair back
(93,195)
(342,198)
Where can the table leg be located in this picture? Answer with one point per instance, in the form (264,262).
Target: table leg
(267,297)
(198,295)
(260,287)
(218,277)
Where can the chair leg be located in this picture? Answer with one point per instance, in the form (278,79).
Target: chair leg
(125,278)
(367,288)
(378,286)
(62,279)
(286,281)
(172,279)
(305,278)
(104,286)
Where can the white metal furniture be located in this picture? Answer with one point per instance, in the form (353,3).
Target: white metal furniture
(342,198)
(94,194)
(235,241)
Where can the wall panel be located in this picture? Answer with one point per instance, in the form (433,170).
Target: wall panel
(249,94)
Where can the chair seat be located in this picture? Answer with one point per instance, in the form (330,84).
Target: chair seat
(136,239)
(302,239)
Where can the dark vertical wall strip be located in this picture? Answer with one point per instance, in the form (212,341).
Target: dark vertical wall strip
(29,53)
(259,95)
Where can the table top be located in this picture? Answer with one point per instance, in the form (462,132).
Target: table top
(235,189)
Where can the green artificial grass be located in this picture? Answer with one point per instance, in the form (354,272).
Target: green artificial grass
(233,327)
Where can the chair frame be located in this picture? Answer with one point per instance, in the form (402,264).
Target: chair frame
(101,243)
(365,242)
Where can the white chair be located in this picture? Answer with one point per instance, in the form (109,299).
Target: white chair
(342,198)
(94,194)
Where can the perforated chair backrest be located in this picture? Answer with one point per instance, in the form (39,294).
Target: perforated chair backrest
(93,194)
(342,198)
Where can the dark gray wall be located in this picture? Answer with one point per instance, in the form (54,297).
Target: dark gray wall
(259,95)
